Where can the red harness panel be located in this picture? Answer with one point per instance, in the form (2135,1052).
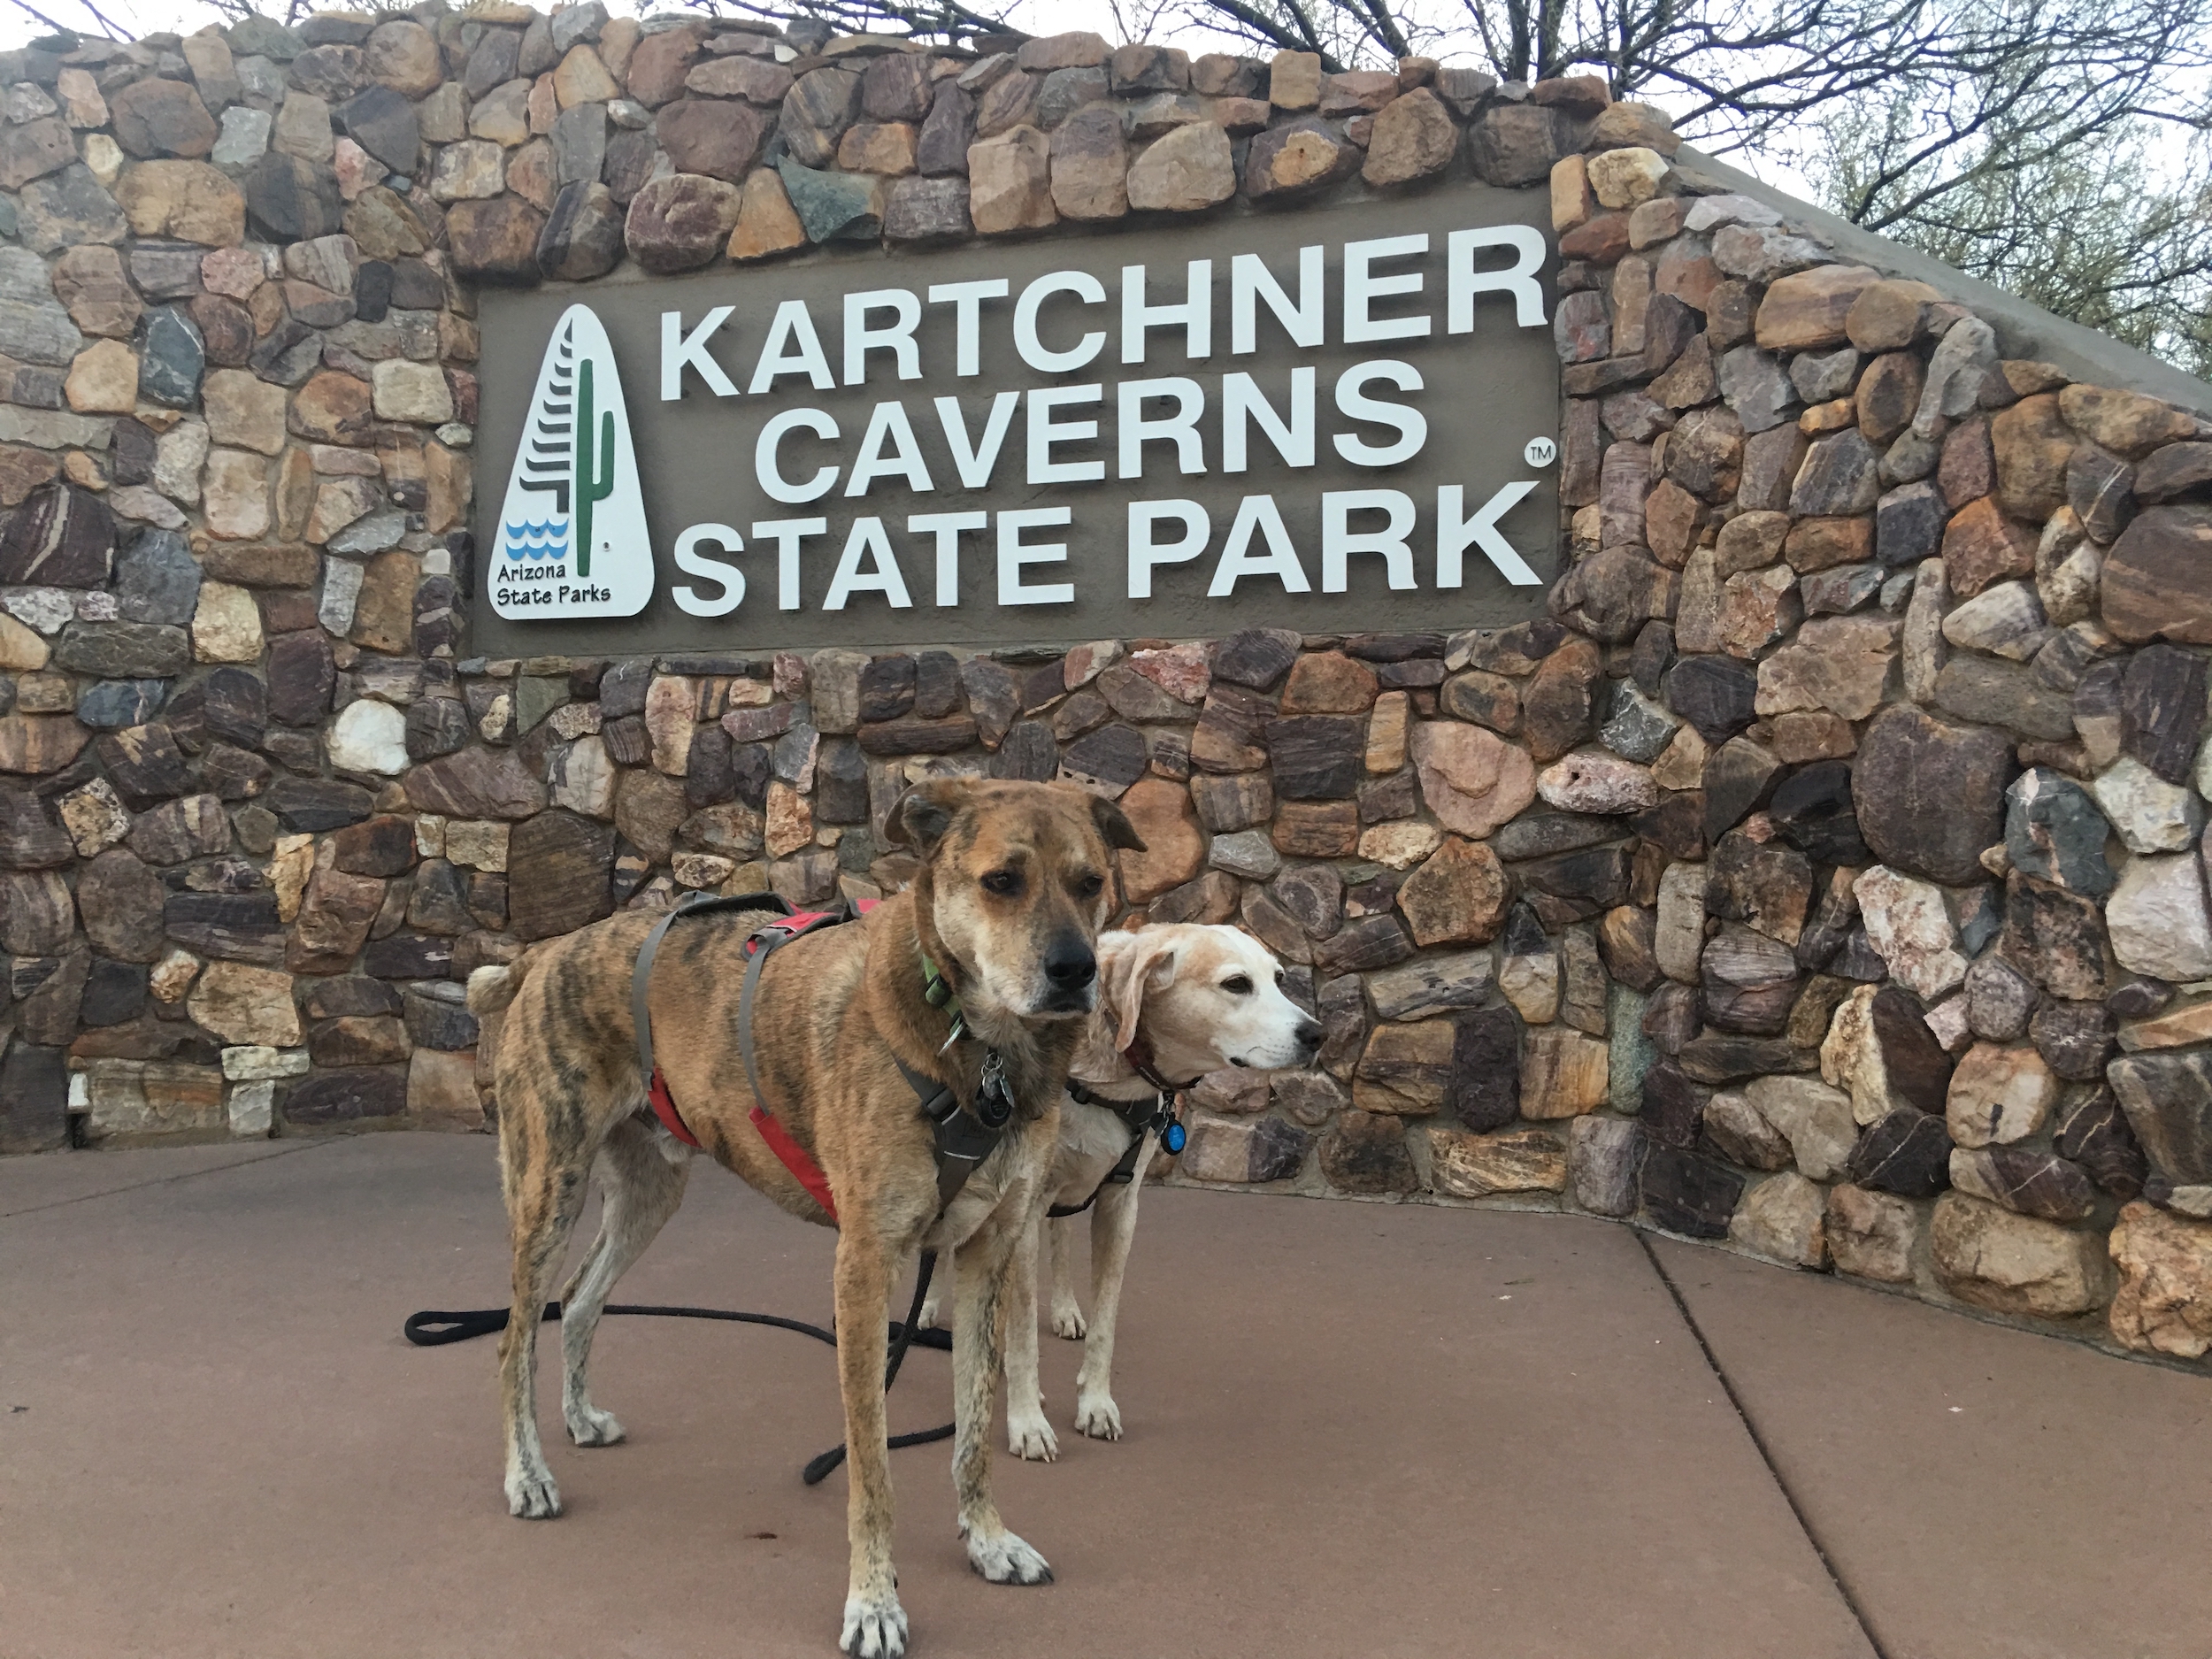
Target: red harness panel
(795,1157)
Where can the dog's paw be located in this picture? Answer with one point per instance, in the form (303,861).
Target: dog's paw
(1032,1438)
(929,1315)
(589,1426)
(1067,1321)
(875,1627)
(532,1494)
(1098,1416)
(1003,1558)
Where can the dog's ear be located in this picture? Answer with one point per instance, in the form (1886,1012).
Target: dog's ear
(1148,965)
(1114,824)
(919,817)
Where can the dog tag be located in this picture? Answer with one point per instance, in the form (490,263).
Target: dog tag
(995,1100)
(1173,1138)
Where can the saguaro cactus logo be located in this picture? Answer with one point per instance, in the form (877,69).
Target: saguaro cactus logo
(571,539)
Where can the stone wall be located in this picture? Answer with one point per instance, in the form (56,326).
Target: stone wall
(1823,875)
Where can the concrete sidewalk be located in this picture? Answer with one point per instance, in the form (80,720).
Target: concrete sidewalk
(1353,1430)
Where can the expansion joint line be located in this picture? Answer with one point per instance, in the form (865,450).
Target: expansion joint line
(1766,1456)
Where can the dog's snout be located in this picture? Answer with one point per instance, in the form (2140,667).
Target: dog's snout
(1309,1035)
(1069,963)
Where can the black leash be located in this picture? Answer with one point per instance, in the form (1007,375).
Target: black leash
(434,1328)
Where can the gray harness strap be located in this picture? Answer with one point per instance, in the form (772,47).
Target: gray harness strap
(641,976)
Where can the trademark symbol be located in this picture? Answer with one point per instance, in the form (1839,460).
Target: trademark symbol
(1540,452)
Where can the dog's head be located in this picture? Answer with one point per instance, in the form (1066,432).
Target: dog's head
(1017,879)
(1203,998)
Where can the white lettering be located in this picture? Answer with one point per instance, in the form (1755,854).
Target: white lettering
(680,352)
(1257,513)
(1044,432)
(967,299)
(1242,398)
(886,578)
(1362,289)
(861,337)
(724,575)
(1146,552)
(888,429)
(1033,350)
(1455,533)
(1134,429)
(1195,316)
(974,461)
(766,469)
(1462,282)
(791,347)
(1012,555)
(1339,539)
(947,526)
(1410,425)
(786,533)
(1250,281)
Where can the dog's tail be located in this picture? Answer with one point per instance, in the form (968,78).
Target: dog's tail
(491,988)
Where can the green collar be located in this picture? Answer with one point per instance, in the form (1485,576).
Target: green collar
(937,992)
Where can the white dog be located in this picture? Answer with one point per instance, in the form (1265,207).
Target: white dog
(1176,1001)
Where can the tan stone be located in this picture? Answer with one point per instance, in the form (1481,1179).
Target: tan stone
(2012,1264)
(884,148)
(289,871)
(1010,182)
(1571,202)
(1188,170)
(1563,1074)
(1399,844)
(415,392)
(582,79)
(1841,664)
(1681,765)
(1090,165)
(1389,726)
(1808,310)
(1329,682)
(1414,137)
(1460,895)
(1872,1235)
(1512,1161)
(1405,1068)
(241,1003)
(384,614)
(339,504)
(1626,177)
(1784,1220)
(171,977)
(1472,780)
(442,1089)
(104,380)
(1175,847)
(158,1097)
(189,201)
(227,624)
(766,222)
(671,702)
(1889,315)
(2000,1095)
(236,491)
(2033,444)
(790,820)
(21,650)
(2127,423)
(1981,547)
(2164,1301)
(90,281)
(245,412)
(1293,81)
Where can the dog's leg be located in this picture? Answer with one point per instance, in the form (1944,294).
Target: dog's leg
(932,1309)
(639,1190)
(1067,1313)
(545,1193)
(875,1623)
(1027,1434)
(986,1262)
(1113,1223)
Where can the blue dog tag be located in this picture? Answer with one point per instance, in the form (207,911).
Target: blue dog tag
(1173,1138)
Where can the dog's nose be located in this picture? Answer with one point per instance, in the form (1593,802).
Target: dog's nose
(1310,1037)
(1070,964)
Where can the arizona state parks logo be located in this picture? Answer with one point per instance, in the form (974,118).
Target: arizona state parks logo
(571,539)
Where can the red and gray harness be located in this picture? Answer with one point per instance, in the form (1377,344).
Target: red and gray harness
(963,1139)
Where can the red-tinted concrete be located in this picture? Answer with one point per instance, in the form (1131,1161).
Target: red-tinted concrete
(1354,1429)
(1984,1493)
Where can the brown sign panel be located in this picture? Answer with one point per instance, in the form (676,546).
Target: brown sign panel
(1334,419)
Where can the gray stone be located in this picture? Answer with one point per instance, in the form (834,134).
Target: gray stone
(174,357)
(2055,833)
(157,580)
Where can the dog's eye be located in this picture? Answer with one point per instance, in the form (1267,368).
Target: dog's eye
(1278,979)
(1237,985)
(1090,884)
(1005,883)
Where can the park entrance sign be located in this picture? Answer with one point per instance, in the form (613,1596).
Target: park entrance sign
(1346,420)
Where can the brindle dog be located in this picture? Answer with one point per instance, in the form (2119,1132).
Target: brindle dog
(1016,881)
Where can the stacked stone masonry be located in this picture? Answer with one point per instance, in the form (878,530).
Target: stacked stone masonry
(1825,874)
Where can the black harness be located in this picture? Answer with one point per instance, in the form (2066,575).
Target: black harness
(1141,1118)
